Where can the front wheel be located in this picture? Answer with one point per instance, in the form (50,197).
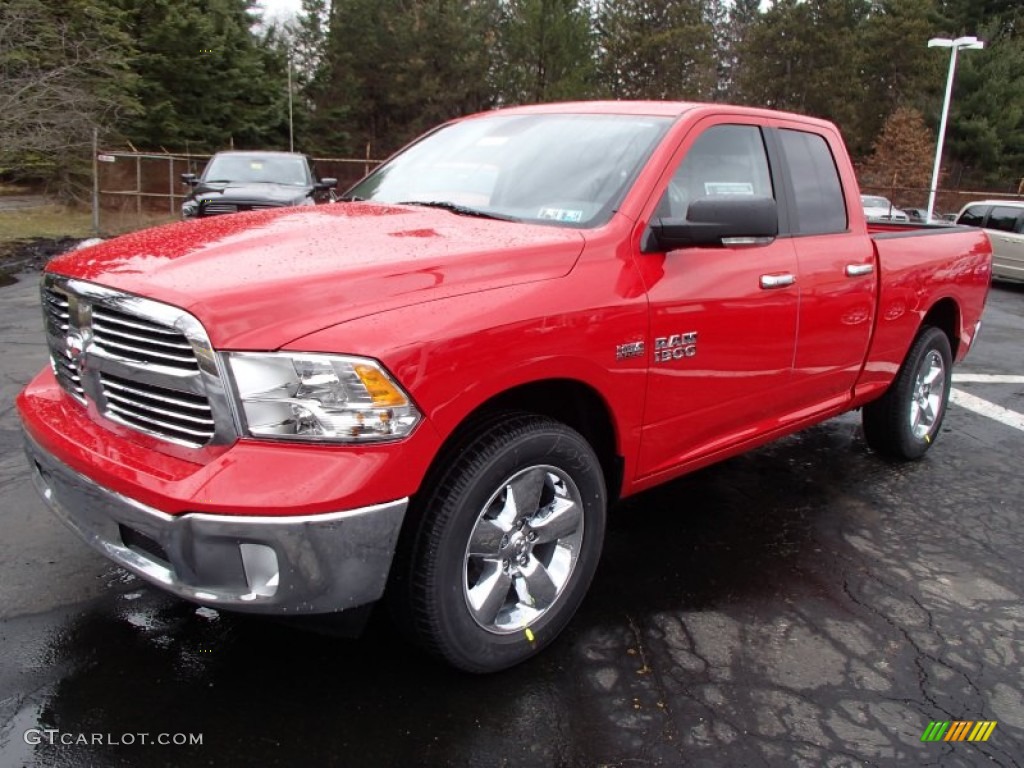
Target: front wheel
(508,544)
(905,421)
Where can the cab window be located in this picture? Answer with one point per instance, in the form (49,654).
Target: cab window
(974,216)
(725,161)
(817,189)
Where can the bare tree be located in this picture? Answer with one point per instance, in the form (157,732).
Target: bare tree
(64,72)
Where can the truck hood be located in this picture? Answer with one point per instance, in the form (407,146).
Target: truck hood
(263,279)
(240,192)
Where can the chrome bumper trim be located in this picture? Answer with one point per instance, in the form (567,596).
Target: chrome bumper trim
(319,563)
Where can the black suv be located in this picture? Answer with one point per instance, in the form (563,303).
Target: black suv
(246,181)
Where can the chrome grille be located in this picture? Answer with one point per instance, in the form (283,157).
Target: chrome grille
(210,209)
(142,341)
(57,313)
(157,409)
(141,363)
(214,209)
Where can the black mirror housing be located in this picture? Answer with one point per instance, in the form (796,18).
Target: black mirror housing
(190,179)
(328,183)
(711,220)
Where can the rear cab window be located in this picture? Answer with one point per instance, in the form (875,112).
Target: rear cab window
(817,189)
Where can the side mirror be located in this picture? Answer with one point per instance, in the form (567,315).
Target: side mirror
(721,220)
(189,178)
(327,184)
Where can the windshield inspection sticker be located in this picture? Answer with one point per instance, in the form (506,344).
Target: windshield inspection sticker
(560,214)
(728,188)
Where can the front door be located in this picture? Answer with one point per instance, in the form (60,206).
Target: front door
(723,319)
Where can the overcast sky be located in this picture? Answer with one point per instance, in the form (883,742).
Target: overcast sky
(281,9)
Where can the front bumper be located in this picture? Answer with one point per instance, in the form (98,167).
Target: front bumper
(283,565)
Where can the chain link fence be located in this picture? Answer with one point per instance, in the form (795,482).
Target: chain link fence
(134,189)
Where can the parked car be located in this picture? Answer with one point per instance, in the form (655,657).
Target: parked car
(433,393)
(1003,220)
(248,181)
(879,208)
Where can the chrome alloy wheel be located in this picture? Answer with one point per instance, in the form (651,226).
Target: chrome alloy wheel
(523,549)
(928,395)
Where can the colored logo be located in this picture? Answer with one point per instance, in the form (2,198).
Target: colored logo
(958,730)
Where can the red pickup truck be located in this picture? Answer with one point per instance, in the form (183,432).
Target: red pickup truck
(433,389)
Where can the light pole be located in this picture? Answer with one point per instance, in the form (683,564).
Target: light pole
(961,43)
(291,128)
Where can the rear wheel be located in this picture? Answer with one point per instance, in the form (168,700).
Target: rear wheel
(508,543)
(905,421)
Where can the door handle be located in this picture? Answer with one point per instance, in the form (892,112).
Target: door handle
(856,270)
(777,281)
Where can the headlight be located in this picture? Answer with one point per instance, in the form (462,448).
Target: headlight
(320,397)
(189,209)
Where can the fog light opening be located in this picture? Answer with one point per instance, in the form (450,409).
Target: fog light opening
(262,572)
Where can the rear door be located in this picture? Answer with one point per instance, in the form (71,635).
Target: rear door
(836,268)
(1005,228)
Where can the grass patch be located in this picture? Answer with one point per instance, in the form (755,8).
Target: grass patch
(7,188)
(58,221)
(30,236)
(46,221)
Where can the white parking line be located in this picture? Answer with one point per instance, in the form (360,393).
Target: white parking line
(985,408)
(986,378)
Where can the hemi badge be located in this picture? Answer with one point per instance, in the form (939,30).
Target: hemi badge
(632,349)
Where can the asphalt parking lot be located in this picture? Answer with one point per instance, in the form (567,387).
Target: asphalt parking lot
(807,604)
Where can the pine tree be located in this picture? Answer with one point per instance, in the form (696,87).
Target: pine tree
(545,51)
(656,49)
(809,57)
(985,135)
(395,68)
(204,80)
(899,68)
(742,16)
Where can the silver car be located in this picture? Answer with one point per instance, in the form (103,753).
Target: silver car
(1003,221)
(877,208)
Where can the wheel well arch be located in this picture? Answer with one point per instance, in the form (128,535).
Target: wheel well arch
(570,401)
(945,315)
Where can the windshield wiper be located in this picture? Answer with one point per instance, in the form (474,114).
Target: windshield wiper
(350,199)
(461,210)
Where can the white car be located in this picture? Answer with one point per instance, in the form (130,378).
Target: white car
(878,208)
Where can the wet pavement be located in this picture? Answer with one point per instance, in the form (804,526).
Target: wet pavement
(807,604)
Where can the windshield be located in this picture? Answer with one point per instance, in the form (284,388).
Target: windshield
(570,170)
(869,201)
(257,169)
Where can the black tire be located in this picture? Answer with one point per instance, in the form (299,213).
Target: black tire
(448,589)
(896,425)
